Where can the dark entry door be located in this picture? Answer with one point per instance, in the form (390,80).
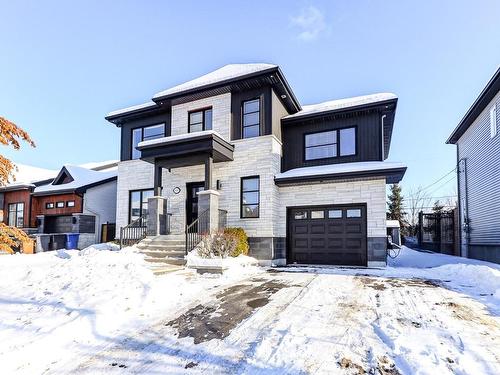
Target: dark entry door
(192,200)
(333,235)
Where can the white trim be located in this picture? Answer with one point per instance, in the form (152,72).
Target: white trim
(211,191)
(493,121)
(174,138)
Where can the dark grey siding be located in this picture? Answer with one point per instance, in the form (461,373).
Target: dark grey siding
(481,180)
(368,137)
(127,127)
(238,97)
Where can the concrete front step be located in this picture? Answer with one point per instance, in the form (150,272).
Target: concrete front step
(161,248)
(163,253)
(167,260)
(163,242)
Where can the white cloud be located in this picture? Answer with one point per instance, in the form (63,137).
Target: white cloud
(311,22)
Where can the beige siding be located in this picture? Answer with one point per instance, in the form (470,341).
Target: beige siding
(278,112)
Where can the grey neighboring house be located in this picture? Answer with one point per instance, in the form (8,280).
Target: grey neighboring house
(478,160)
(235,147)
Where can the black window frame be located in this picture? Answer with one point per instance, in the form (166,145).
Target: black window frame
(203,123)
(130,192)
(337,144)
(142,127)
(60,204)
(47,204)
(259,125)
(242,205)
(68,203)
(16,214)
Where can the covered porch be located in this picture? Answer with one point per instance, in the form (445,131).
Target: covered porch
(193,149)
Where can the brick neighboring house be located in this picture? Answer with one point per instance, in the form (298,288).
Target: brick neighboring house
(76,200)
(235,147)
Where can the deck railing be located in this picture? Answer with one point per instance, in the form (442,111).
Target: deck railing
(196,230)
(133,233)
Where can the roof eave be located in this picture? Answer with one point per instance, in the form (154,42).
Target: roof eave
(486,95)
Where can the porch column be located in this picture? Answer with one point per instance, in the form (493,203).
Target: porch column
(208,173)
(157,208)
(208,200)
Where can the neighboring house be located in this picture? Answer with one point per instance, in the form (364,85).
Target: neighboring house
(74,200)
(478,169)
(308,184)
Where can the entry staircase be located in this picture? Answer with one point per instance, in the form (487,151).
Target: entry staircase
(164,253)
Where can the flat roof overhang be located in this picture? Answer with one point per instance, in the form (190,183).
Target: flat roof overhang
(187,149)
(391,175)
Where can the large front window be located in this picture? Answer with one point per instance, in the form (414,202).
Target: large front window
(139,204)
(200,120)
(16,215)
(144,134)
(250,197)
(330,144)
(251,118)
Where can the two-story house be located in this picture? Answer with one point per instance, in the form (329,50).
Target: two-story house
(307,183)
(478,169)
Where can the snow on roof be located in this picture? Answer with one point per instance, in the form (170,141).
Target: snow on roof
(131,109)
(102,166)
(230,71)
(174,138)
(392,223)
(81,177)
(27,175)
(334,105)
(330,169)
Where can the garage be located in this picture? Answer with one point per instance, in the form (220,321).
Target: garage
(329,235)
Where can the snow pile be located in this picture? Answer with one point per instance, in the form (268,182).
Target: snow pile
(240,264)
(58,306)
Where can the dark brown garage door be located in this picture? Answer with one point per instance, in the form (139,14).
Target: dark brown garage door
(327,235)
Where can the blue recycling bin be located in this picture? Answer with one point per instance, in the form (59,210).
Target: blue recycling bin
(72,241)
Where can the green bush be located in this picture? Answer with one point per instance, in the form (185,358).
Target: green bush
(241,238)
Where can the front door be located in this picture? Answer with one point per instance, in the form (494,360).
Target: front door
(192,189)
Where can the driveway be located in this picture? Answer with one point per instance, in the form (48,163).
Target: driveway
(316,321)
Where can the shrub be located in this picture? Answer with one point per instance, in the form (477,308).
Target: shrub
(241,240)
(219,244)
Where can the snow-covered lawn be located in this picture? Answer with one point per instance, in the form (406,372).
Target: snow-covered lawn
(101,311)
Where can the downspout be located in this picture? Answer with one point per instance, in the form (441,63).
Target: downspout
(382,134)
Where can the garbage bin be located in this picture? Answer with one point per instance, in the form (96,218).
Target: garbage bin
(72,241)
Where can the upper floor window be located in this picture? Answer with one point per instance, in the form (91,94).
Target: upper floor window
(330,144)
(16,215)
(49,205)
(200,120)
(70,203)
(251,118)
(493,121)
(144,134)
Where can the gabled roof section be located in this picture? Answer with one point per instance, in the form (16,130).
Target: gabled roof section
(229,77)
(484,98)
(222,75)
(342,104)
(28,176)
(75,179)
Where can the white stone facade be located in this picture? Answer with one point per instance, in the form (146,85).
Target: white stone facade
(100,201)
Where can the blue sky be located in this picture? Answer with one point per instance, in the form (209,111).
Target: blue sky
(64,65)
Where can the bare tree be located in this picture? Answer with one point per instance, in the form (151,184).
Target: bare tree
(417,199)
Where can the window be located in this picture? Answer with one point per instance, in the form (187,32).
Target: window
(493,121)
(317,214)
(354,213)
(145,134)
(16,215)
(250,199)
(200,120)
(60,204)
(335,214)
(70,204)
(330,144)
(139,204)
(251,118)
(300,215)
(49,205)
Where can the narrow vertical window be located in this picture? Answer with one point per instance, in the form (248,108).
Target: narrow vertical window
(250,197)
(251,118)
(493,121)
